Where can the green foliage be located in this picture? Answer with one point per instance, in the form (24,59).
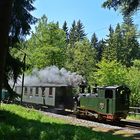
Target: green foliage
(65,28)
(47,56)
(122,44)
(21,123)
(110,73)
(21,19)
(133,81)
(94,40)
(136,64)
(126,6)
(80,31)
(133,117)
(77,32)
(97,46)
(130,42)
(72,34)
(81,58)
(47,45)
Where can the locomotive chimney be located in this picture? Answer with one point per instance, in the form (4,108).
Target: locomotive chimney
(82,86)
(95,88)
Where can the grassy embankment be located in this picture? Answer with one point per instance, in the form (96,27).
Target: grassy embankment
(19,123)
(133,117)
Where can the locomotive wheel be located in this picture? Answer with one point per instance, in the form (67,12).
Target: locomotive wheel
(100,118)
(78,116)
(117,120)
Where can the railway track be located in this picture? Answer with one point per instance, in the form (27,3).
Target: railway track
(124,124)
(134,125)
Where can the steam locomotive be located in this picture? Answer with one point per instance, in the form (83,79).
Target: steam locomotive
(104,103)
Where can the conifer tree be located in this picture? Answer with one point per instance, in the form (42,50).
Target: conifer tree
(130,43)
(122,44)
(20,22)
(94,40)
(77,32)
(73,34)
(99,50)
(80,33)
(65,28)
(127,7)
(109,51)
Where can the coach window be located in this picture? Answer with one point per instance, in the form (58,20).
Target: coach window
(36,92)
(25,91)
(31,91)
(43,91)
(109,93)
(50,91)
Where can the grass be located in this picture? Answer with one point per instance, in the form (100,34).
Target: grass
(19,123)
(133,117)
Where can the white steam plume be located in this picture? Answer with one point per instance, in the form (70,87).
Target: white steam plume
(52,75)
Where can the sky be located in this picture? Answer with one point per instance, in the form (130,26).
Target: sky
(90,12)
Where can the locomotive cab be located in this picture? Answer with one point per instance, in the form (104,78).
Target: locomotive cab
(117,102)
(122,101)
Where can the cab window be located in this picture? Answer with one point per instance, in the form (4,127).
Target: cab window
(31,91)
(108,93)
(37,91)
(25,91)
(50,91)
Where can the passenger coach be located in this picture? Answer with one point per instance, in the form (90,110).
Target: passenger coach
(50,95)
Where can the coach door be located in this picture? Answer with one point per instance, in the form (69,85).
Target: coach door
(109,100)
(50,96)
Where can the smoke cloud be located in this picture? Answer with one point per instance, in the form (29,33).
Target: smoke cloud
(52,75)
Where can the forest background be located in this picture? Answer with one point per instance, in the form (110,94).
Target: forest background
(114,60)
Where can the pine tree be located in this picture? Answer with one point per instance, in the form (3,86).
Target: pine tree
(118,42)
(99,50)
(73,34)
(131,45)
(98,46)
(77,32)
(80,33)
(122,44)
(65,28)
(109,50)
(94,40)
(20,22)
(127,7)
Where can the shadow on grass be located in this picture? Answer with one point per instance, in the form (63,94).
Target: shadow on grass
(14,127)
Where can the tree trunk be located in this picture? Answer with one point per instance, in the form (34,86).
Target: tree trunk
(5,13)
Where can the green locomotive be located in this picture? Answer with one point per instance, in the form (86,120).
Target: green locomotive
(105,103)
